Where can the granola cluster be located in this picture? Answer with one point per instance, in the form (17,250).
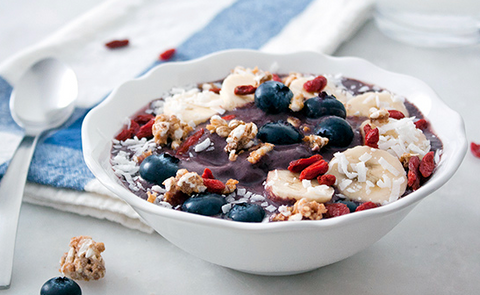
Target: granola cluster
(301,210)
(170,128)
(184,183)
(83,261)
(315,142)
(257,154)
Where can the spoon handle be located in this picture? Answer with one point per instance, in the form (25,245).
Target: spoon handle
(11,194)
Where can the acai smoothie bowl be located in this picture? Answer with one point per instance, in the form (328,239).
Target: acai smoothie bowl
(273,164)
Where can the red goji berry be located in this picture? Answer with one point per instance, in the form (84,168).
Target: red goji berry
(315,85)
(143,118)
(413,176)
(367,128)
(372,137)
(421,124)
(366,206)
(394,114)
(190,141)
(117,43)
(215,90)
(327,179)
(128,132)
(146,130)
(314,170)
(475,149)
(207,173)
(228,117)
(275,77)
(214,185)
(244,89)
(298,165)
(167,54)
(336,209)
(427,164)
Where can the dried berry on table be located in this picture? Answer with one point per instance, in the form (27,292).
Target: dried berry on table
(117,43)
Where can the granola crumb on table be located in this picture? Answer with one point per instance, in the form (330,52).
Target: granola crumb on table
(84,260)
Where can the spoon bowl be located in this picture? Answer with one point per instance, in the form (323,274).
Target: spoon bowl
(42,100)
(44,96)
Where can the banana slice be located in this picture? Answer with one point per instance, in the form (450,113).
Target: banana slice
(283,184)
(361,105)
(399,137)
(230,99)
(193,105)
(368,174)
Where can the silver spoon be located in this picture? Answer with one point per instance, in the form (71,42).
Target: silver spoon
(42,100)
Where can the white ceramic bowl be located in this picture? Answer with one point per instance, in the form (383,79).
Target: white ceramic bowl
(268,248)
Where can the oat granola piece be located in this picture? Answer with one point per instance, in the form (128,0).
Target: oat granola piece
(84,260)
(316,142)
(185,182)
(230,186)
(379,116)
(240,138)
(297,102)
(301,210)
(257,154)
(139,159)
(170,128)
(152,196)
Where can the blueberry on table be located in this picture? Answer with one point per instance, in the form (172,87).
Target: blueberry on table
(246,212)
(273,97)
(60,286)
(279,132)
(337,130)
(157,168)
(324,105)
(207,204)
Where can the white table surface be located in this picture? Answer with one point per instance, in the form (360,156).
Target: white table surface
(435,250)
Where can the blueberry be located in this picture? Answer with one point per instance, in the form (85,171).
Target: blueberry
(273,97)
(60,286)
(324,105)
(208,204)
(157,168)
(337,130)
(279,132)
(351,205)
(246,212)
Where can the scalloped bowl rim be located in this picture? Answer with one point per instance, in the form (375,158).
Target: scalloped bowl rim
(449,165)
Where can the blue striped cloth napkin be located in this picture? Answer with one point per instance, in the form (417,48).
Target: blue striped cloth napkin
(58,176)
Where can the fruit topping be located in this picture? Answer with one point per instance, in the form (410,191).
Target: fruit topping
(208,204)
(283,185)
(244,89)
(298,165)
(337,130)
(246,212)
(324,105)
(60,286)
(280,132)
(366,174)
(366,206)
(157,168)
(351,205)
(167,54)
(117,43)
(475,149)
(336,209)
(413,175)
(427,165)
(315,85)
(273,97)
(314,170)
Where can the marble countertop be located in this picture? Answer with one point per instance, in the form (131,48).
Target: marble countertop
(434,250)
